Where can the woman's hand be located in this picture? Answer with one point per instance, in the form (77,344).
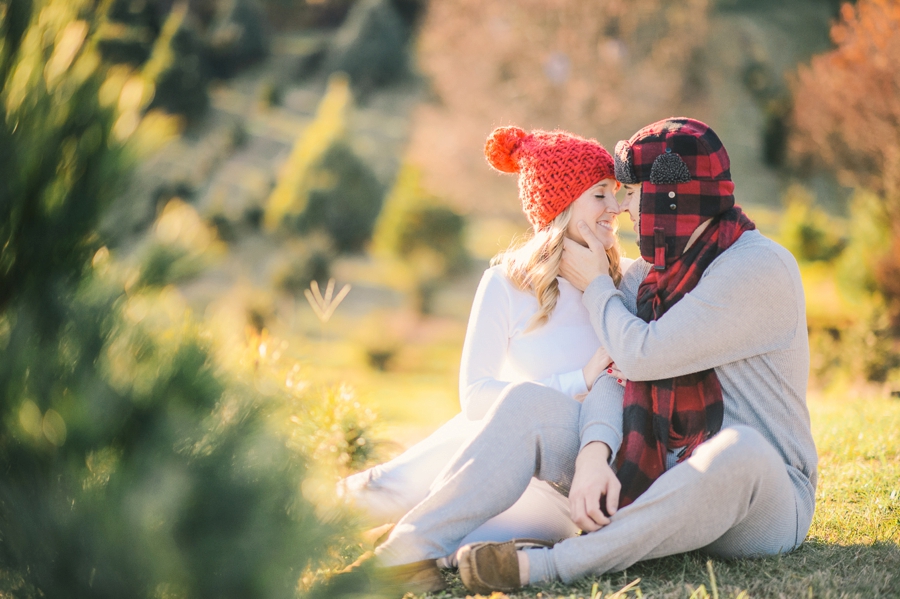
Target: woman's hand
(613,371)
(596,366)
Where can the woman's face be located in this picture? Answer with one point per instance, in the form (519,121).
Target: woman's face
(597,207)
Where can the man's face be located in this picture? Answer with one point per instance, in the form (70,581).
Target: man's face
(630,196)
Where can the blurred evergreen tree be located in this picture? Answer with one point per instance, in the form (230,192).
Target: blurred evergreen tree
(324,185)
(344,198)
(127,32)
(423,232)
(177,69)
(238,36)
(57,149)
(132,465)
(415,220)
(330,124)
(370,47)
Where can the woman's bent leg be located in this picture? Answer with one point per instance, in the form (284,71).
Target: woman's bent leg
(532,431)
(540,513)
(384,493)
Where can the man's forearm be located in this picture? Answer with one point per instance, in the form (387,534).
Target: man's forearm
(746,304)
(601,415)
(594,452)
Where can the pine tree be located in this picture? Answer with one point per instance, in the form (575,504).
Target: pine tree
(177,69)
(133,465)
(330,124)
(324,185)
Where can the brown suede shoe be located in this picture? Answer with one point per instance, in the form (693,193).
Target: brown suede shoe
(488,567)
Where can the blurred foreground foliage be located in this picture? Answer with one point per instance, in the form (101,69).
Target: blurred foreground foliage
(139,456)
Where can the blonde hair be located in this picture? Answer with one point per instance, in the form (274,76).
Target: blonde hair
(533,265)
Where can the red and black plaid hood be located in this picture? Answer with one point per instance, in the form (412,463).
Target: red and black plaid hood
(685,178)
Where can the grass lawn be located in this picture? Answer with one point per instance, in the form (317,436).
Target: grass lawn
(853,548)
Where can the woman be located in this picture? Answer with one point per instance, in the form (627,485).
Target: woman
(526,324)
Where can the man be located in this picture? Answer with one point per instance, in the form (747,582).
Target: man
(712,449)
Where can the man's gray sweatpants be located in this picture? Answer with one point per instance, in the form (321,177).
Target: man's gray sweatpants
(733,497)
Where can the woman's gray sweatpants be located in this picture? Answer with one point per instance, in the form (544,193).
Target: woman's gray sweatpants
(733,497)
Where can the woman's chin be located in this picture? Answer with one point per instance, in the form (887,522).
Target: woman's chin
(607,240)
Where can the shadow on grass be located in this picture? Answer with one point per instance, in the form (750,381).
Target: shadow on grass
(816,569)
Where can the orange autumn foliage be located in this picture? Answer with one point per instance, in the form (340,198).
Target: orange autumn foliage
(847,118)
(847,101)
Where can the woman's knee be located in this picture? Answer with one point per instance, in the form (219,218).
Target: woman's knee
(528,400)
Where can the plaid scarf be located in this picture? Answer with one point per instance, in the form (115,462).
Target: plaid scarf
(683,411)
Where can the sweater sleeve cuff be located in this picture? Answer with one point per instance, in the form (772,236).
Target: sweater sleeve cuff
(602,432)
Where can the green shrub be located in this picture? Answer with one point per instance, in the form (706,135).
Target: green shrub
(808,231)
(181,247)
(333,429)
(289,197)
(56,149)
(131,465)
(324,185)
(370,47)
(128,30)
(308,259)
(868,241)
(852,337)
(414,220)
(177,68)
(424,233)
(344,198)
(237,37)
(437,228)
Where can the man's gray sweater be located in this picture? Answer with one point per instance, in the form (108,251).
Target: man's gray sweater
(747,319)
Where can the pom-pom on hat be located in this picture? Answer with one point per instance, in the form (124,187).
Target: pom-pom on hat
(554,167)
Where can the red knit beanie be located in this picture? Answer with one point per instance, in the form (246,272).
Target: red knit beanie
(555,168)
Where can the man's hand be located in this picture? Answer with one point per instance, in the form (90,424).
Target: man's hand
(580,265)
(593,485)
